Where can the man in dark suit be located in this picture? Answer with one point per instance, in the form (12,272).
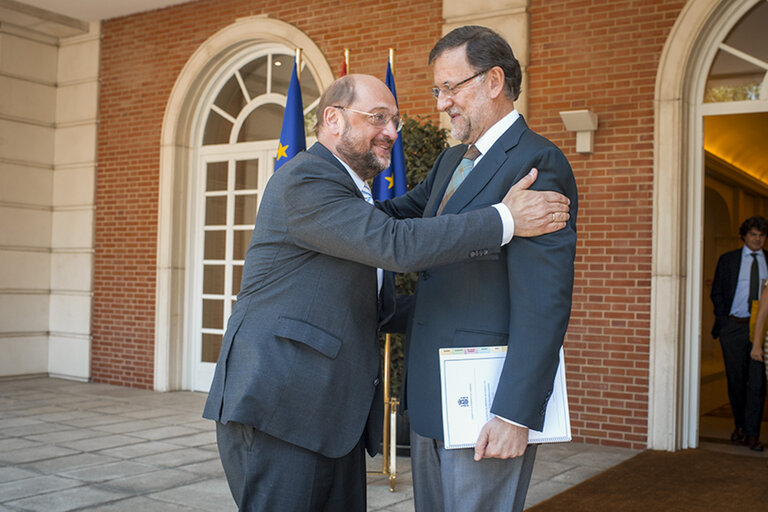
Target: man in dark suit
(736,284)
(298,371)
(520,297)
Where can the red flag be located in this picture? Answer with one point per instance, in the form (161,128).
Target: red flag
(343,69)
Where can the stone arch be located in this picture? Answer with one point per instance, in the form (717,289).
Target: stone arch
(179,126)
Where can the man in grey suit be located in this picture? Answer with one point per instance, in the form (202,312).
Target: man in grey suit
(520,297)
(294,389)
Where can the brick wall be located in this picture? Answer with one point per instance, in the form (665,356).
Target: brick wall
(603,55)
(597,54)
(142,56)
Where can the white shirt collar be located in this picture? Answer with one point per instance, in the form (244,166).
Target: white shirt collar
(493,133)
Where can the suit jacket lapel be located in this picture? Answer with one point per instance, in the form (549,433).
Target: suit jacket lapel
(485,170)
(321,151)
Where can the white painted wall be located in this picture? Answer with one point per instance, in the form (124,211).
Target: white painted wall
(48,120)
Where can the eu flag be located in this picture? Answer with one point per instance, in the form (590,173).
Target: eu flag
(391,181)
(292,139)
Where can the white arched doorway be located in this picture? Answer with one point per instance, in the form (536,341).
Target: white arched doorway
(191,148)
(694,41)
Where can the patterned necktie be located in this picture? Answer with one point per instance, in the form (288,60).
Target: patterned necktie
(367,195)
(461,172)
(754,281)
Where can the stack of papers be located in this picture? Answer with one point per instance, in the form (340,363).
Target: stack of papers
(469,377)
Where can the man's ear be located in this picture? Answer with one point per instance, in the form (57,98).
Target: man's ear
(333,121)
(494,79)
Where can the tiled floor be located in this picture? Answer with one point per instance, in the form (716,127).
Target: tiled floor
(74,446)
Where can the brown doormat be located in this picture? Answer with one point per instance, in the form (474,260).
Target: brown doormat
(687,480)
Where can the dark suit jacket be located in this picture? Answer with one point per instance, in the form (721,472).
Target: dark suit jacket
(520,297)
(724,286)
(300,356)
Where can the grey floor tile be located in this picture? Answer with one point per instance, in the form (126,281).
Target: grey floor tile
(127,426)
(14,443)
(138,503)
(93,444)
(165,433)
(73,434)
(211,468)
(156,481)
(32,486)
(42,452)
(10,423)
(198,439)
(103,472)
(148,414)
(68,463)
(178,458)
(70,499)
(141,449)
(212,495)
(577,474)
(36,427)
(95,420)
(10,473)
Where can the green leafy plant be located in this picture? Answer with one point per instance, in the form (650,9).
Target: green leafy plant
(423,141)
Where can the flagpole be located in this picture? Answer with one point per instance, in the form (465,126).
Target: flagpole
(298,64)
(392,60)
(346,60)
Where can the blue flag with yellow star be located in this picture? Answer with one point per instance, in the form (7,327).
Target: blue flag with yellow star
(292,138)
(391,181)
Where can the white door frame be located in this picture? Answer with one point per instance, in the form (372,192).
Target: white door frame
(678,191)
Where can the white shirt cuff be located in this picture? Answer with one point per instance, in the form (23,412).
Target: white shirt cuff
(510,421)
(507,222)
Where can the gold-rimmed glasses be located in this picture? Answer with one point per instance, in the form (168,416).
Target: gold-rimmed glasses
(377,119)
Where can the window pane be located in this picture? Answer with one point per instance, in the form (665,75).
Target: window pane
(213,314)
(254,75)
(211,347)
(309,89)
(247,174)
(242,238)
(282,65)
(237,277)
(245,209)
(215,211)
(264,123)
(213,279)
(230,98)
(215,245)
(216,178)
(217,129)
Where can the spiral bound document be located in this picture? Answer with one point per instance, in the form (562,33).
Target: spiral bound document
(469,377)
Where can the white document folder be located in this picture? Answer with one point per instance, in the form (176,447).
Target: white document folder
(469,377)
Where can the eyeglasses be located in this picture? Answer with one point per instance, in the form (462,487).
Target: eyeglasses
(377,118)
(451,90)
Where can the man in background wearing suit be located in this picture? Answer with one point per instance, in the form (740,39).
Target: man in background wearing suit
(294,389)
(520,297)
(736,284)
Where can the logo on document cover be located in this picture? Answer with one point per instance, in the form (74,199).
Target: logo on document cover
(463,401)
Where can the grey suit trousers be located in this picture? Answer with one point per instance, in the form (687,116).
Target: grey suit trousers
(266,474)
(452,481)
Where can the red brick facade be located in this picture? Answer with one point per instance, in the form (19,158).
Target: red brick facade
(599,54)
(603,55)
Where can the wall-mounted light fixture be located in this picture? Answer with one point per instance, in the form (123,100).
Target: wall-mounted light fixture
(584,123)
